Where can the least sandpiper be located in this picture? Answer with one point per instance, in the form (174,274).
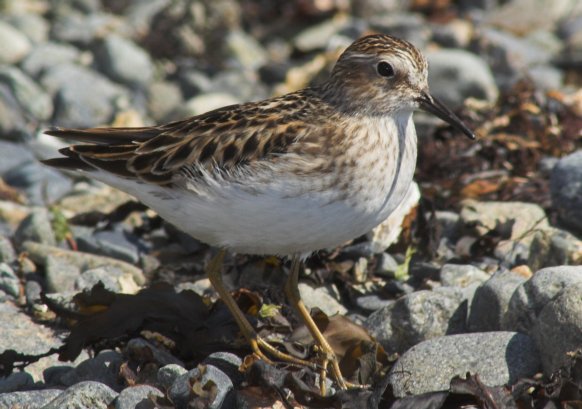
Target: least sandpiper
(286,176)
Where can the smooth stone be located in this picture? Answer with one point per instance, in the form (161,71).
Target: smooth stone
(554,247)
(13,155)
(9,281)
(530,298)
(462,275)
(103,368)
(317,37)
(491,301)
(83,98)
(81,29)
(418,316)
(136,396)
(558,329)
(60,274)
(7,252)
(16,381)
(372,8)
(140,347)
(245,50)
(39,252)
(386,265)
(321,298)
(29,95)
(36,227)
(454,34)
(116,243)
(244,85)
(112,278)
(13,44)
(499,358)
(13,125)
(547,77)
(388,232)
(124,61)
(88,394)
(46,55)
(228,363)
(204,103)
(33,26)
(28,399)
(566,190)
(42,185)
(189,386)
(163,98)
(168,374)
(455,75)
(449,223)
(410,26)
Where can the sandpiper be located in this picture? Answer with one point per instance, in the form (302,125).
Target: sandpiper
(285,176)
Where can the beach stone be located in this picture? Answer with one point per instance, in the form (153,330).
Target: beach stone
(112,278)
(16,381)
(136,396)
(558,329)
(245,50)
(87,394)
(32,25)
(12,121)
(7,252)
(462,275)
(60,274)
(491,301)
(124,61)
(103,368)
(30,96)
(455,75)
(163,98)
(9,281)
(46,55)
(566,190)
(189,387)
(321,298)
(418,316)
(13,155)
(36,227)
(13,44)
(500,358)
(204,103)
(168,374)
(28,399)
(530,298)
(81,29)
(554,247)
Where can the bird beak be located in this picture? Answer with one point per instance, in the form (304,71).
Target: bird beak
(434,106)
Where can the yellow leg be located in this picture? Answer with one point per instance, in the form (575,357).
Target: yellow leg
(324,349)
(258,344)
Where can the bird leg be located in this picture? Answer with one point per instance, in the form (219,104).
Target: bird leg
(257,343)
(324,350)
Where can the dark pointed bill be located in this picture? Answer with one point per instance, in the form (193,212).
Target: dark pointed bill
(434,106)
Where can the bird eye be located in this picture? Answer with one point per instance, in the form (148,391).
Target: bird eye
(385,69)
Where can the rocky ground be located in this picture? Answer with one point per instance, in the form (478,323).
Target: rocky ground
(480,271)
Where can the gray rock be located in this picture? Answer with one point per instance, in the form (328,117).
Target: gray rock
(46,55)
(455,34)
(103,368)
(42,185)
(87,394)
(32,25)
(124,61)
(13,44)
(83,97)
(36,227)
(462,275)
(60,274)
(12,121)
(132,397)
(386,265)
(9,282)
(554,247)
(81,29)
(32,291)
(372,8)
(416,317)
(546,77)
(13,155)
(491,301)
(111,277)
(566,189)
(163,98)
(228,363)
(242,84)
(531,297)
(16,381)
(139,14)
(500,358)
(28,399)
(190,387)
(168,374)
(317,37)
(22,334)
(7,252)
(31,97)
(558,329)
(39,252)
(455,75)
(372,302)
(141,347)
(322,298)
(410,26)
(204,103)
(245,50)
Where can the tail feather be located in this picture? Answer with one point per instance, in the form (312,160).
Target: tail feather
(106,136)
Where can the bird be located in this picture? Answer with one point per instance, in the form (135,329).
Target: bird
(285,176)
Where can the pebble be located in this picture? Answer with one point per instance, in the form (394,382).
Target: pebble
(31,98)
(9,281)
(386,265)
(139,347)
(136,397)
(245,50)
(204,103)
(491,301)
(112,278)
(81,29)
(566,190)
(163,98)
(558,329)
(116,243)
(499,358)
(322,298)
(36,227)
(168,374)
(531,297)
(462,275)
(418,316)
(455,75)
(13,44)
(13,155)
(60,274)
(124,61)
(554,247)
(83,98)
(16,381)
(7,252)
(83,395)
(103,368)
(28,399)
(33,26)
(46,55)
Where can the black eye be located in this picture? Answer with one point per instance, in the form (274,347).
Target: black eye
(385,69)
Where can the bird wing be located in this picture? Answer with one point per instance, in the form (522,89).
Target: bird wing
(224,139)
